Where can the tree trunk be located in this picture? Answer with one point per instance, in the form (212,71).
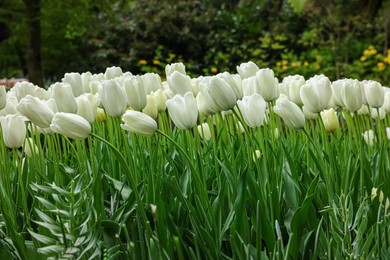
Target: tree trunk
(34,63)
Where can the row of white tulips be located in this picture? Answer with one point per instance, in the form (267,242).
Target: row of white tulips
(70,107)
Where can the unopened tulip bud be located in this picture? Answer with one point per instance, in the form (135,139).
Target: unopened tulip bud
(369,137)
(100,115)
(87,105)
(70,125)
(268,85)
(330,120)
(113,98)
(30,148)
(374,93)
(247,69)
(138,123)
(183,110)
(3,97)
(135,92)
(14,130)
(36,110)
(151,108)
(291,114)
(253,109)
(316,93)
(113,72)
(171,68)
(75,81)
(160,100)
(179,83)
(204,131)
(63,95)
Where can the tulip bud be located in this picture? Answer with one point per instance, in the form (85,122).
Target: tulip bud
(151,108)
(139,123)
(75,81)
(160,100)
(352,95)
(373,193)
(316,93)
(387,205)
(171,68)
(204,131)
(135,92)
(256,155)
(290,113)
(86,79)
(22,89)
(70,125)
(183,110)
(388,132)
(87,105)
(3,97)
(253,110)
(330,120)
(337,89)
(268,85)
(152,82)
(374,93)
(112,72)
(100,115)
(64,98)
(293,84)
(179,83)
(14,130)
(220,93)
(30,147)
(363,110)
(113,98)
(234,81)
(247,69)
(36,110)
(369,137)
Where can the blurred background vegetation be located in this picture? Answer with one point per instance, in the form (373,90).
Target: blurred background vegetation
(43,39)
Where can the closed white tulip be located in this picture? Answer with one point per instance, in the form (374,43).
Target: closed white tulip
(253,109)
(150,109)
(206,104)
(10,106)
(351,95)
(369,137)
(204,131)
(247,69)
(268,85)
(291,114)
(86,79)
(337,90)
(113,72)
(374,93)
(63,95)
(330,120)
(87,105)
(3,97)
(220,92)
(36,110)
(113,98)
(250,86)
(292,85)
(152,82)
(14,130)
(139,123)
(70,125)
(183,110)
(29,147)
(388,132)
(234,81)
(179,83)
(171,68)
(22,89)
(316,93)
(75,81)
(160,100)
(135,92)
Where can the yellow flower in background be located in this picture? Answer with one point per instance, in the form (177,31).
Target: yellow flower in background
(142,62)
(284,68)
(214,70)
(363,58)
(387,60)
(381,66)
(366,53)
(278,64)
(284,62)
(156,62)
(295,64)
(305,63)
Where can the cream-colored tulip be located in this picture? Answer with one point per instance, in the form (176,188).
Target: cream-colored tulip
(316,93)
(113,98)
(204,131)
(150,109)
(330,120)
(253,109)
(247,69)
(87,105)
(135,92)
(75,81)
(64,98)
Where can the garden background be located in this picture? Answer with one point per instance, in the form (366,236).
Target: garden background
(337,38)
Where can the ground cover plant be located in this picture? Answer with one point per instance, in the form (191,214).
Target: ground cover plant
(231,166)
